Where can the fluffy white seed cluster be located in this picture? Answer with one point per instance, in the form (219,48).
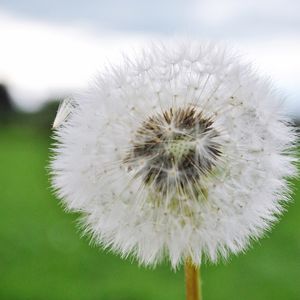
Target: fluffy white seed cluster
(181,152)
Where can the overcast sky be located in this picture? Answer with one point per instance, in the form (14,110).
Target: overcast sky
(51,48)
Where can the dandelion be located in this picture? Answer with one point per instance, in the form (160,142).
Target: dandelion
(182,153)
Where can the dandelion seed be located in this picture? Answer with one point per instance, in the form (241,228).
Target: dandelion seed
(64,109)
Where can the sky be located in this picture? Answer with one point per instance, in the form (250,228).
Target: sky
(50,49)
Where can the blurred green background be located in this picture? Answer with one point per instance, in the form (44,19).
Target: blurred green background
(43,256)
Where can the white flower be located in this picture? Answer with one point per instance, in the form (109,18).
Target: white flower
(182,152)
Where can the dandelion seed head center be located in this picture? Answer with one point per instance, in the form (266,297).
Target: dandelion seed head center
(178,147)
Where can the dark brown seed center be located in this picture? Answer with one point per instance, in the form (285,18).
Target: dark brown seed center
(173,150)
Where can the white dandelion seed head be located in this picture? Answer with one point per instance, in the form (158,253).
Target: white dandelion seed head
(181,152)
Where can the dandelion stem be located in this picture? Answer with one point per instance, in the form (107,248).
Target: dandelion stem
(192,281)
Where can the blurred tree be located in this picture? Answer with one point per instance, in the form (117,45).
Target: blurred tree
(6,107)
(43,119)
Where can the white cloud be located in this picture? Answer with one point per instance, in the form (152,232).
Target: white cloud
(278,58)
(237,14)
(39,60)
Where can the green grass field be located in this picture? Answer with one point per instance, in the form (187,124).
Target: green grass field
(43,257)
